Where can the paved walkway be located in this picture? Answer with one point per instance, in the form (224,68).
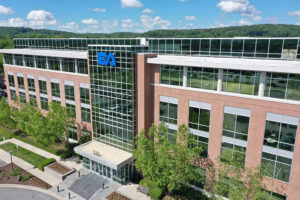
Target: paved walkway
(24,192)
(130,190)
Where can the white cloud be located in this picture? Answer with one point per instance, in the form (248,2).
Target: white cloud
(89,21)
(14,22)
(294,13)
(150,23)
(271,20)
(102,10)
(191,18)
(236,6)
(131,4)
(40,18)
(147,10)
(128,25)
(244,22)
(70,26)
(5,10)
(105,26)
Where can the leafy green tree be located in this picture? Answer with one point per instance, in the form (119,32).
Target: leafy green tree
(6,115)
(59,119)
(22,114)
(165,162)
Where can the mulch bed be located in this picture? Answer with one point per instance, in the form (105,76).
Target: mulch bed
(6,178)
(59,168)
(117,196)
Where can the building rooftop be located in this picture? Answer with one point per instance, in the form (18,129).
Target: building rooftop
(47,52)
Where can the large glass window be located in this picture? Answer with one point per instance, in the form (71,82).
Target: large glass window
(55,89)
(242,82)
(82,67)
(29,61)
(273,196)
(236,126)
(54,63)
(203,78)
(231,153)
(31,85)
(71,109)
(283,86)
(69,92)
(276,166)
(280,135)
(13,94)
(200,180)
(41,62)
(85,95)
(9,59)
(43,87)
(11,80)
(21,82)
(85,114)
(199,119)
(19,60)
(22,97)
(171,75)
(44,103)
(68,65)
(168,112)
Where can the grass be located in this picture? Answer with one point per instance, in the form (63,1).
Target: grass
(8,134)
(24,154)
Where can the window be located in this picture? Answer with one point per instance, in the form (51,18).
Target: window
(86,163)
(54,63)
(203,143)
(21,82)
(199,119)
(72,131)
(11,80)
(85,95)
(19,60)
(32,100)
(202,78)
(233,154)
(55,90)
(13,94)
(29,61)
(85,114)
(9,59)
(276,166)
(242,82)
(283,86)
(236,126)
(71,110)
(168,112)
(171,75)
(280,135)
(31,85)
(68,65)
(44,103)
(22,97)
(200,178)
(41,62)
(69,92)
(273,196)
(43,87)
(82,66)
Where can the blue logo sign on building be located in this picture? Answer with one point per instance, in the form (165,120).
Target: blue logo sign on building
(104,59)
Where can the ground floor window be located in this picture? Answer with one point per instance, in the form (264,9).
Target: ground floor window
(72,133)
(86,163)
(200,180)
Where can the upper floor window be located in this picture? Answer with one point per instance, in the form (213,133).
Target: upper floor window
(43,87)
(9,59)
(203,78)
(171,75)
(68,65)
(82,66)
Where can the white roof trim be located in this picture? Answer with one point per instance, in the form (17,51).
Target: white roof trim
(47,52)
(263,65)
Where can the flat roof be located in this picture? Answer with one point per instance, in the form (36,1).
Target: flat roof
(280,66)
(48,52)
(104,154)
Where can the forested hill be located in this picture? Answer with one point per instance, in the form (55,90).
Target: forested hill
(262,30)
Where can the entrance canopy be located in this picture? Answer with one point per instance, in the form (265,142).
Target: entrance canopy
(104,154)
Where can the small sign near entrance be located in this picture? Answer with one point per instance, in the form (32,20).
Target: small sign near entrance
(106,59)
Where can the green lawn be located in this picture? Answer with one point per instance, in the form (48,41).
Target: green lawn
(5,133)
(24,154)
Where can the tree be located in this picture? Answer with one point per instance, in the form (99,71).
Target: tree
(165,162)
(6,115)
(236,182)
(59,119)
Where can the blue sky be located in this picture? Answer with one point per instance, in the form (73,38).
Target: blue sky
(142,15)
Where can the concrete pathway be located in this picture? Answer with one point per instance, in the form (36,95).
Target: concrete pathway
(24,192)
(130,190)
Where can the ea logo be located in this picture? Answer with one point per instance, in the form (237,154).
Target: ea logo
(104,59)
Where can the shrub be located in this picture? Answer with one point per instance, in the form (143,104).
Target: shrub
(16,172)
(45,163)
(25,178)
(156,193)
(84,138)
(148,183)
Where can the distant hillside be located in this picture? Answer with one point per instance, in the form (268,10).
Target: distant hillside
(261,30)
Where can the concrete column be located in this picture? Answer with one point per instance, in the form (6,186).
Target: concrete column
(262,81)
(34,61)
(60,64)
(76,70)
(47,63)
(185,76)
(220,80)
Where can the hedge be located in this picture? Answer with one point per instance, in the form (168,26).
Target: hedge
(45,163)
(156,193)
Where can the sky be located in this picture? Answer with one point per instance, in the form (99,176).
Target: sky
(106,16)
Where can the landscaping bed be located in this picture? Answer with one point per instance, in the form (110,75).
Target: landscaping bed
(116,196)
(20,176)
(59,168)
